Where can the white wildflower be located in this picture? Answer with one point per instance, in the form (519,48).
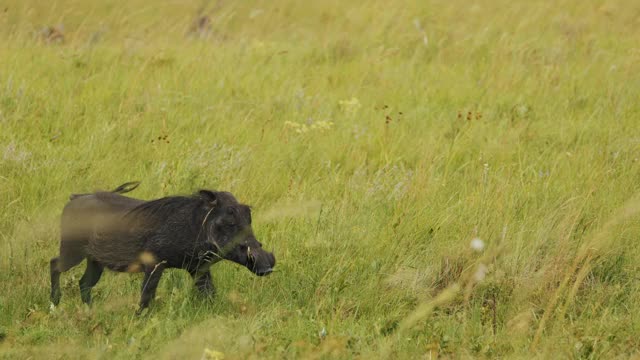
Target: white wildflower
(481,272)
(477,244)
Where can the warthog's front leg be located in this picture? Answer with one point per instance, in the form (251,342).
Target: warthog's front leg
(202,282)
(152,276)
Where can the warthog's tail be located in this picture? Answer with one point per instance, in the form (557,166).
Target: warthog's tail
(124,188)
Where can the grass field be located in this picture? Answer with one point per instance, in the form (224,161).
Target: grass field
(374,139)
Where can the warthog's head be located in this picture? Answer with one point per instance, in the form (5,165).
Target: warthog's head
(229,230)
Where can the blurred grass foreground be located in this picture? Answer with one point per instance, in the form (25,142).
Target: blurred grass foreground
(437,178)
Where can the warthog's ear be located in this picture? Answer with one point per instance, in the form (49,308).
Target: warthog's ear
(209,196)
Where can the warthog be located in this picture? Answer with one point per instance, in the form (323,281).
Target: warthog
(125,234)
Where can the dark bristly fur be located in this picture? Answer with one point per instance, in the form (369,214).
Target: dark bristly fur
(126,234)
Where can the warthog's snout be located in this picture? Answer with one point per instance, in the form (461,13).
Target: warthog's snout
(264,272)
(261,262)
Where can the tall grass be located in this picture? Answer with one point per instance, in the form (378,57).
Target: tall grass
(374,140)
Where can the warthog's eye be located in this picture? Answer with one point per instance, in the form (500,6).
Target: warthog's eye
(227,226)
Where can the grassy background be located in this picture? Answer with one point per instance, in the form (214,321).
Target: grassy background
(374,139)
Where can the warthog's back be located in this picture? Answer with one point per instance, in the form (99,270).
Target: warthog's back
(87,218)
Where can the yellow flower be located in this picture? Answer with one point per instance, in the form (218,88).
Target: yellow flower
(350,106)
(292,124)
(322,125)
(304,128)
(258,45)
(212,355)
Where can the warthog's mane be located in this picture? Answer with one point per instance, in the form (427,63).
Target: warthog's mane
(164,208)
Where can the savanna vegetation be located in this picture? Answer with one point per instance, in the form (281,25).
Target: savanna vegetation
(436,178)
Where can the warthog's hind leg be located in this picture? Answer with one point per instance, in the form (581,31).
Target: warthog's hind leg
(90,279)
(55,281)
